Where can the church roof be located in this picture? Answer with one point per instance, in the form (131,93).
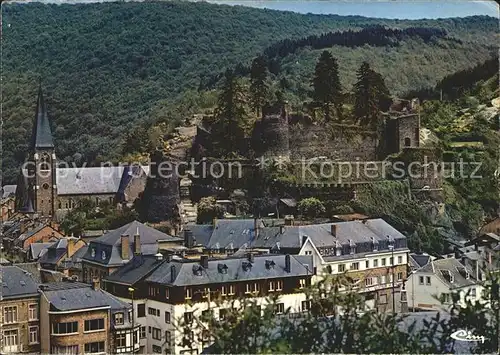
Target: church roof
(42,134)
(95,180)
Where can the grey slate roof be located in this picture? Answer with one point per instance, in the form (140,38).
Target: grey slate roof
(37,248)
(419,260)
(94,180)
(185,276)
(32,269)
(69,296)
(8,190)
(135,270)
(110,243)
(42,134)
(235,234)
(453,267)
(55,252)
(17,282)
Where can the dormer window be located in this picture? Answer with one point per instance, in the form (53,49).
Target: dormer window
(197,270)
(119,318)
(352,247)
(222,268)
(103,255)
(374,244)
(92,252)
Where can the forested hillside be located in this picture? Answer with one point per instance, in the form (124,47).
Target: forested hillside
(108,67)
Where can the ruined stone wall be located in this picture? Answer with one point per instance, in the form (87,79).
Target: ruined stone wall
(336,142)
(272,137)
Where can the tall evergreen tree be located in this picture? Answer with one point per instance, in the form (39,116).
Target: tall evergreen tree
(326,84)
(227,130)
(259,88)
(370,95)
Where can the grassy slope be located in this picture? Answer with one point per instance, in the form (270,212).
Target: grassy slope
(106,67)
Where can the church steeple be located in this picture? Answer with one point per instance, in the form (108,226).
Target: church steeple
(42,134)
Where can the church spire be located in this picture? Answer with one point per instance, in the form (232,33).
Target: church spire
(42,134)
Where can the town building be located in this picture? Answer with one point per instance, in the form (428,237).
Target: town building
(78,318)
(433,286)
(48,190)
(169,292)
(20,234)
(20,329)
(371,252)
(110,251)
(64,256)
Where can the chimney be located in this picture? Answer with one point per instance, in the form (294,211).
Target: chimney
(125,246)
(137,242)
(289,220)
(334,230)
(288,265)
(173,274)
(96,283)
(71,246)
(256,226)
(188,238)
(250,258)
(282,229)
(204,261)
(168,258)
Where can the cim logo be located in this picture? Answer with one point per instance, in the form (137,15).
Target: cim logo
(466,335)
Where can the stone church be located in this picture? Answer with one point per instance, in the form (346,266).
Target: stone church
(50,191)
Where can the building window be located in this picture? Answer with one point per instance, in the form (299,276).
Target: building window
(188,317)
(167,293)
(407,142)
(473,293)
(383,261)
(142,333)
(156,334)
(354,266)
(368,281)
(271,286)
(248,288)
(33,311)
(341,267)
(168,337)
(98,346)
(400,259)
(302,283)
(70,349)
(375,263)
(65,328)
(279,285)
(400,276)
(223,291)
(10,314)
(33,335)
(189,293)
(156,349)
(153,291)
(421,280)
(367,264)
(306,306)
(231,290)
(11,338)
(153,311)
(280,308)
(167,317)
(428,280)
(121,340)
(94,324)
(391,260)
(119,318)
(206,292)
(141,310)
(309,252)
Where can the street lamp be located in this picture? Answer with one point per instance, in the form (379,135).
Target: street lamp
(131,291)
(391,248)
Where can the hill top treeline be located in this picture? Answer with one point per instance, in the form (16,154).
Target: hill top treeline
(109,67)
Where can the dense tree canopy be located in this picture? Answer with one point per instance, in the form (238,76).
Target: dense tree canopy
(110,67)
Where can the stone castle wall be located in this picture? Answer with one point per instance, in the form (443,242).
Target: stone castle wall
(338,142)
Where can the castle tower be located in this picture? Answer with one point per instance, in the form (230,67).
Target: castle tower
(271,135)
(42,163)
